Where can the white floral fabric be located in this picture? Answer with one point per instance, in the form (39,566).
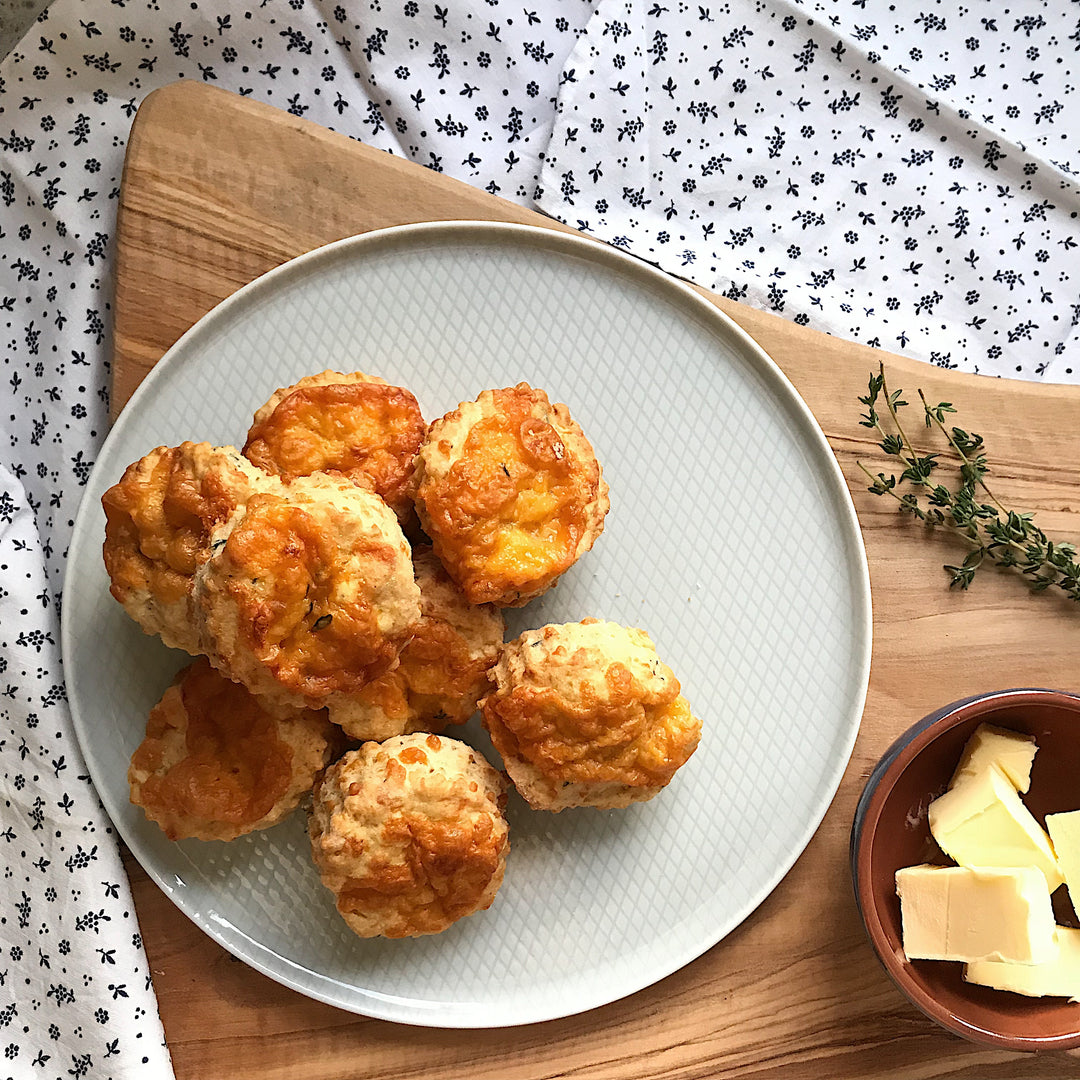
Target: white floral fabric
(898,176)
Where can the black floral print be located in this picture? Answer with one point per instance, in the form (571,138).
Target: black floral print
(905,178)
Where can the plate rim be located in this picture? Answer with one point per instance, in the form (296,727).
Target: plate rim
(376,1004)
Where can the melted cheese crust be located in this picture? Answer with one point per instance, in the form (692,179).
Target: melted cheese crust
(442,671)
(214,764)
(511,494)
(368,431)
(590,707)
(159,518)
(410,835)
(311,595)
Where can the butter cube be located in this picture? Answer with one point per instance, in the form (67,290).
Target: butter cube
(1056,978)
(982,822)
(1011,751)
(1064,831)
(976,913)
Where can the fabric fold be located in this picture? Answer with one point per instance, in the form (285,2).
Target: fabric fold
(74,982)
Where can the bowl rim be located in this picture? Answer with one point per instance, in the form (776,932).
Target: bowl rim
(867,813)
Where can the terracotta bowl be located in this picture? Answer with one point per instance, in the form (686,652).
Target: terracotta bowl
(891,831)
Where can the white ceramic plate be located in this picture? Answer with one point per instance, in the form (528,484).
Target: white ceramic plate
(731,539)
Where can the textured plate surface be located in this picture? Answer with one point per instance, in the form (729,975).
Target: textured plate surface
(731,540)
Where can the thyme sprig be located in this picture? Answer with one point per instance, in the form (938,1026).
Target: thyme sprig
(970,510)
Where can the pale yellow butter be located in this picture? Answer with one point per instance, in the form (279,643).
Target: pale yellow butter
(982,822)
(976,913)
(1011,751)
(1059,977)
(1064,831)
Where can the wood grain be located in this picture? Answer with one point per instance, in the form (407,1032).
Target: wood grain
(218,189)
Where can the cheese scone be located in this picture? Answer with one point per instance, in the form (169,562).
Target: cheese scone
(409,835)
(214,764)
(309,595)
(442,671)
(511,494)
(586,714)
(158,521)
(351,423)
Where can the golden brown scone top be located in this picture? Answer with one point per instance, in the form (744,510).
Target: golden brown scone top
(159,519)
(320,378)
(351,423)
(311,595)
(215,765)
(511,494)
(587,714)
(409,835)
(441,672)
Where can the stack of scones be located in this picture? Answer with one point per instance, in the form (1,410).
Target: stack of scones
(339,582)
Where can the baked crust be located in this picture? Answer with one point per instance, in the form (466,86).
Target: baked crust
(409,835)
(214,764)
(352,423)
(586,714)
(442,671)
(319,378)
(511,494)
(159,518)
(310,595)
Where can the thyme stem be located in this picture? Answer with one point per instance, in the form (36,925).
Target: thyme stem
(935,418)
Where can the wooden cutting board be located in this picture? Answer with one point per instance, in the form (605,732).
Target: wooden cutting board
(217,189)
